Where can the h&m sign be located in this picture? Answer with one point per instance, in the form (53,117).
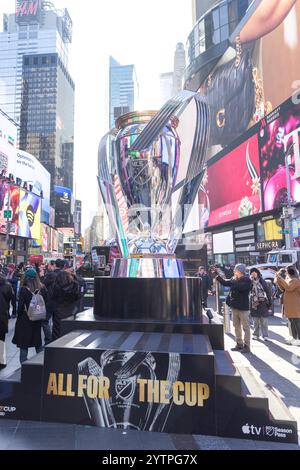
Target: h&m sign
(27,10)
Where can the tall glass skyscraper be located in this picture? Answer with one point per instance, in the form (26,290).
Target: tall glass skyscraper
(47,115)
(123,90)
(36,89)
(35,28)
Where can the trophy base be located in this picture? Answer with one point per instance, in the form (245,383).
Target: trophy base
(148,299)
(148,266)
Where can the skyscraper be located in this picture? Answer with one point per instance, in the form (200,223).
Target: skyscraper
(123,90)
(35,28)
(36,89)
(179,68)
(166,86)
(47,115)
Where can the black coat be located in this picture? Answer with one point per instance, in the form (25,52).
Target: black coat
(206,284)
(262,309)
(66,299)
(239,291)
(27,332)
(49,281)
(6,295)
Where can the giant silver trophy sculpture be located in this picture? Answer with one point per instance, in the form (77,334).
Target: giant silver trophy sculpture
(149,177)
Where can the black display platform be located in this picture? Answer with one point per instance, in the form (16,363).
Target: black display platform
(152,381)
(148,299)
(88,321)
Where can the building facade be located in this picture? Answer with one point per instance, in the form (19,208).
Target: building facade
(255,126)
(35,28)
(200,7)
(179,68)
(47,115)
(123,90)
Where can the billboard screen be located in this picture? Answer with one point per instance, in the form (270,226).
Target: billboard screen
(28,11)
(279,136)
(9,200)
(26,167)
(29,215)
(8,142)
(223,200)
(258,72)
(63,198)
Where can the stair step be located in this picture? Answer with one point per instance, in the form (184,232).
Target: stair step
(224,364)
(13,377)
(278,410)
(37,360)
(135,341)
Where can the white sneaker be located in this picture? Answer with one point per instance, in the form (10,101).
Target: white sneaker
(290,341)
(296,342)
(266,338)
(255,337)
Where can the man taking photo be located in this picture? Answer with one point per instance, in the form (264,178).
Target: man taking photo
(238,301)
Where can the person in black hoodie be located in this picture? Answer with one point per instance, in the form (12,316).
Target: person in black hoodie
(6,295)
(66,292)
(27,332)
(238,301)
(260,304)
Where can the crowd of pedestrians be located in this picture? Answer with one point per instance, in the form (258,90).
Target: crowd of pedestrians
(250,300)
(59,292)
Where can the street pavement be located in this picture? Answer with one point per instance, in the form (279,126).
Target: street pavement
(275,364)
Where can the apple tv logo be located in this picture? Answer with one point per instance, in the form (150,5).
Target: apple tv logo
(251,430)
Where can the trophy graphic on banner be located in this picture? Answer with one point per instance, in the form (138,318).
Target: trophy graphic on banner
(150,170)
(124,408)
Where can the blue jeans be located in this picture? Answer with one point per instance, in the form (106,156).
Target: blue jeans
(47,331)
(24,353)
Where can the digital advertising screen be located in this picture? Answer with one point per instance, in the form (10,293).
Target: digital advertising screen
(258,72)
(231,187)
(26,167)
(279,138)
(63,198)
(29,215)
(8,142)
(9,201)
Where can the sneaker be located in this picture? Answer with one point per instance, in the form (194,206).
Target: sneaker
(266,338)
(2,366)
(289,341)
(296,342)
(237,348)
(256,338)
(245,350)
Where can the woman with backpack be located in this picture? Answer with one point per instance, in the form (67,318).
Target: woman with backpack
(260,304)
(28,332)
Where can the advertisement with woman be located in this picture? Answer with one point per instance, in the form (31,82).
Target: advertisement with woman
(257,73)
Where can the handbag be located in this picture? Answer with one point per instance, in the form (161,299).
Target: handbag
(228,300)
(234,93)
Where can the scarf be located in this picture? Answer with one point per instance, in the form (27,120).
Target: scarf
(258,294)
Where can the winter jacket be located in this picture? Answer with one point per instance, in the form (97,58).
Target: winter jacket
(66,299)
(206,284)
(263,308)
(27,332)
(291,296)
(239,291)
(6,295)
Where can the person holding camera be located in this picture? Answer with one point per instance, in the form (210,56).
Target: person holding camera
(260,304)
(290,286)
(238,301)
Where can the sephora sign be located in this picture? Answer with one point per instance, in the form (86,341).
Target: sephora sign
(28,11)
